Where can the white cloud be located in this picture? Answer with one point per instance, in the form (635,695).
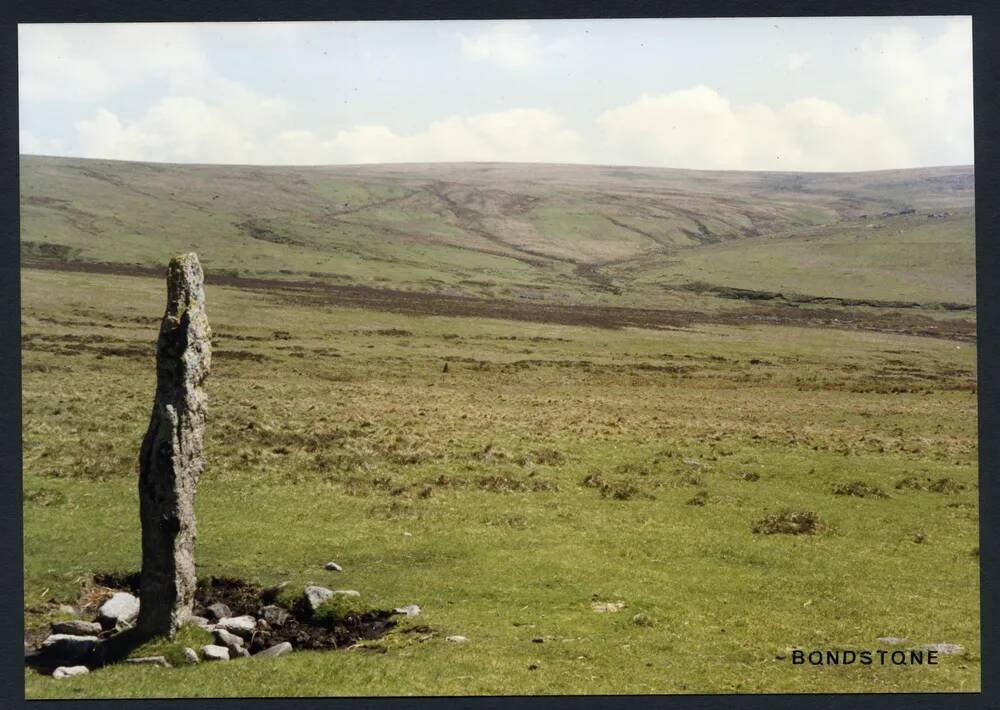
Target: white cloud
(926,92)
(66,62)
(227,129)
(699,128)
(247,130)
(511,45)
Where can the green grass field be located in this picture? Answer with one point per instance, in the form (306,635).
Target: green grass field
(550,468)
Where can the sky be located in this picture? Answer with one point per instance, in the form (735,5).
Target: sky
(809,94)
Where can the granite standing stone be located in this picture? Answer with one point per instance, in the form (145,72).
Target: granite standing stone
(170,460)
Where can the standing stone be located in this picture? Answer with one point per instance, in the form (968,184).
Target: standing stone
(170,460)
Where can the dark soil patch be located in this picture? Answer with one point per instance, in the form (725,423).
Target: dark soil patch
(789,522)
(613,317)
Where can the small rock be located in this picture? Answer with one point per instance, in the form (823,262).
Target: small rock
(242,626)
(212,652)
(333,567)
(408,610)
(538,639)
(346,593)
(201,622)
(943,648)
(278,650)
(76,627)
(120,610)
(231,641)
(315,596)
(67,671)
(641,619)
(190,656)
(607,607)
(219,611)
(891,640)
(69,610)
(149,661)
(273,615)
(456,639)
(691,462)
(243,653)
(65,647)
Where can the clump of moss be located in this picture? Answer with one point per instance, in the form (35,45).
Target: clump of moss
(337,610)
(789,522)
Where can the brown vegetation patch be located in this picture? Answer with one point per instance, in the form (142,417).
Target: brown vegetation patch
(859,489)
(789,522)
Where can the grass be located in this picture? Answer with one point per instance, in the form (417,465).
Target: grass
(334,433)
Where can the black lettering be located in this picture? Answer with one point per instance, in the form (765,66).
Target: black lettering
(917,658)
(832,658)
(819,658)
(932,658)
(881,656)
(866,658)
(901,660)
(798,657)
(849,657)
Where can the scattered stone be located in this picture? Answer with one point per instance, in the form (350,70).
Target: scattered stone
(408,610)
(943,648)
(607,607)
(278,650)
(346,593)
(243,653)
(315,596)
(273,615)
(219,611)
(691,462)
(242,626)
(212,652)
(190,656)
(68,671)
(149,661)
(333,567)
(120,610)
(457,639)
(70,610)
(641,619)
(891,640)
(201,622)
(69,649)
(76,627)
(231,641)
(170,458)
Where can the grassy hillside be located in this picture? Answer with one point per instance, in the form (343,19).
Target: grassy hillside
(613,235)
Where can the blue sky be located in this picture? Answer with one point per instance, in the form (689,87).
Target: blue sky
(771,93)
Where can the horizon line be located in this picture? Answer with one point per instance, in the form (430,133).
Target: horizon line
(496,162)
